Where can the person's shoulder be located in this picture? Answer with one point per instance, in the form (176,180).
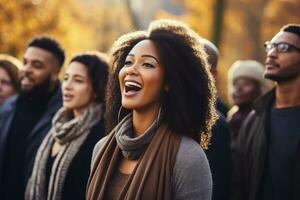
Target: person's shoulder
(191,177)
(190,152)
(100,144)
(9,103)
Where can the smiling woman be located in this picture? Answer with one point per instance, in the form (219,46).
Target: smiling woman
(61,166)
(160,106)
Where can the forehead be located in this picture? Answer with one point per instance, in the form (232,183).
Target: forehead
(35,53)
(4,73)
(144,47)
(286,37)
(244,79)
(76,68)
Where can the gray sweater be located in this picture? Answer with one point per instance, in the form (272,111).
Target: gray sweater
(191,178)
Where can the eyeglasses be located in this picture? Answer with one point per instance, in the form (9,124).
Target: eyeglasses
(281,47)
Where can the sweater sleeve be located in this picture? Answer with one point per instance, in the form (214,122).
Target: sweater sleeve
(191,178)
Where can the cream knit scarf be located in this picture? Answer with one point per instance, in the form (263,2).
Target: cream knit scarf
(70,133)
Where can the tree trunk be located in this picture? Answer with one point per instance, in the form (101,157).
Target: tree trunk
(218,22)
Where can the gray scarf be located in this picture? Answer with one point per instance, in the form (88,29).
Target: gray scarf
(132,147)
(70,133)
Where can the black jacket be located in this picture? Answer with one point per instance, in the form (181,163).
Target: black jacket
(79,169)
(250,153)
(218,155)
(37,134)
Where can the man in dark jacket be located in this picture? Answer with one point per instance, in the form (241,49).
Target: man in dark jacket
(26,119)
(266,155)
(218,153)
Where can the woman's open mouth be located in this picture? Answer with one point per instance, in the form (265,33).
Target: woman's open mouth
(131,88)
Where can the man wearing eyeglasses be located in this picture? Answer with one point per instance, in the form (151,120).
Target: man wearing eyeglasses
(267,154)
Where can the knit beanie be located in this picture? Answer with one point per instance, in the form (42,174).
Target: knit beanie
(249,69)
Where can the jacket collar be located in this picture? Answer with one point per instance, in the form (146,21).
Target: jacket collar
(265,102)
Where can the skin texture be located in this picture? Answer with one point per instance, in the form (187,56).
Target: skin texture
(39,66)
(141,66)
(76,83)
(6,87)
(245,91)
(284,68)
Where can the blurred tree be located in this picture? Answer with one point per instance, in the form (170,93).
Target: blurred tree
(218,22)
(79,25)
(240,30)
(134,18)
(278,13)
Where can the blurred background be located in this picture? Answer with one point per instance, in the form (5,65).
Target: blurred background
(238,27)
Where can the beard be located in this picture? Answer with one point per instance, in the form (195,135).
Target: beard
(37,91)
(281,78)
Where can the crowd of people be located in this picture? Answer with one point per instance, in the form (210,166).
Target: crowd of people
(144,121)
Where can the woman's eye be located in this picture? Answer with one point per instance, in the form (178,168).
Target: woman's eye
(65,78)
(78,80)
(127,63)
(148,65)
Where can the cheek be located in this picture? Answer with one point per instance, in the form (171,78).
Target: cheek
(41,76)
(89,93)
(155,83)
(251,92)
(8,91)
(121,76)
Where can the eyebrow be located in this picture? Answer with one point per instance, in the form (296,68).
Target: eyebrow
(75,75)
(146,55)
(33,60)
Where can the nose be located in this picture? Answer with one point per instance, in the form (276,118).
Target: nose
(67,84)
(132,69)
(26,68)
(272,53)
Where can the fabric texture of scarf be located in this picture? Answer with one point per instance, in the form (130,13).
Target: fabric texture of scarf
(133,147)
(70,133)
(151,178)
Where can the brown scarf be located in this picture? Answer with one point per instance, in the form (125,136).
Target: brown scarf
(151,178)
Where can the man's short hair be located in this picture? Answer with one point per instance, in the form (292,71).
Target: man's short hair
(51,45)
(292,28)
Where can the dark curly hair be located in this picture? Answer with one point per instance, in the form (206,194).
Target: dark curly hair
(97,66)
(189,103)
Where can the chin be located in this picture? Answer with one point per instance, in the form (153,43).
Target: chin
(68,106)
(26,89)
(128,106)
(273,77)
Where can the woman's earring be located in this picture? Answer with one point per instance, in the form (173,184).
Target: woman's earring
(119,113)
(158,117)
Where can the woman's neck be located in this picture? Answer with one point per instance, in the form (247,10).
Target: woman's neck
(142,120)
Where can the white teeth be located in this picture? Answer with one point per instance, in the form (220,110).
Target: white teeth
(130,83)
